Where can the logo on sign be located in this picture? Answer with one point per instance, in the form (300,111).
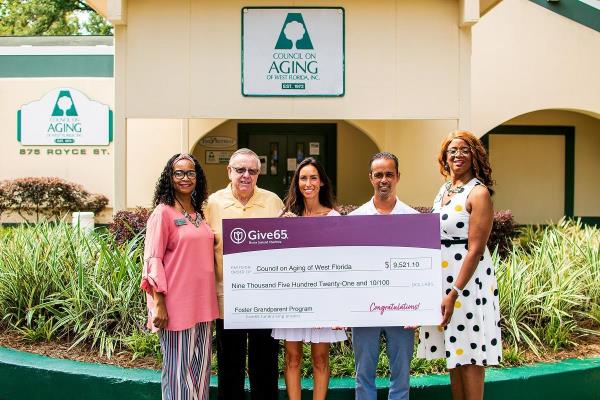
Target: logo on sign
(64,116)
(64,106)
(295,59)
(64,120)
(237,235)
(294,34)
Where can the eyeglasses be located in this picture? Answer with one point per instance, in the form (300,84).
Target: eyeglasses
(242,170)
(180,174)
(463,151)
(380,175)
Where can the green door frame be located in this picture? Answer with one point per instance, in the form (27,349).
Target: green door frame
(327,129)
(568,132)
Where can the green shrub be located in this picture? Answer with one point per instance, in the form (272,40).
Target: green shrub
(48,197)
(550,287)
(56,282)
(143,344)
(595,314)
(341,359)
(512,356)
(128,224)
(503,232)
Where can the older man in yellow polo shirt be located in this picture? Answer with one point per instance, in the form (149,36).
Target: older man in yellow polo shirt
(242,199)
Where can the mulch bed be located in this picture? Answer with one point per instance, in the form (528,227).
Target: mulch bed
(61,349)
(587,346)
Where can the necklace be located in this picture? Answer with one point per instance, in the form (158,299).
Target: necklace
(195,221)
(450,190)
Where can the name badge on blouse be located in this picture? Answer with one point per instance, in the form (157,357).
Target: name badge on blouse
(180,222)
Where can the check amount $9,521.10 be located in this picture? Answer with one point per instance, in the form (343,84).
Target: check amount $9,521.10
(408,263)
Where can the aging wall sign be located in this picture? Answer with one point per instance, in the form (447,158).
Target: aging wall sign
(64,116)
(292,51)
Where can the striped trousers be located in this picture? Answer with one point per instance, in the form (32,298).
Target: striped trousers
(186,362)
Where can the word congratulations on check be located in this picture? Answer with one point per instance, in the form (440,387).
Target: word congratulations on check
(381,270)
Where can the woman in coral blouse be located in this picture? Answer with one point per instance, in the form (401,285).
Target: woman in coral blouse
(178,277)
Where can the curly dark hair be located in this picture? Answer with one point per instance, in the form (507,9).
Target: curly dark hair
(294,201)
(480,164)
(164,193)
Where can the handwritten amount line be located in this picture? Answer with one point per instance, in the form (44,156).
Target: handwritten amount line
(344,287)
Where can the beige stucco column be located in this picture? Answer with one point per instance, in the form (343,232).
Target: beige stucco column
(469,13)
(464,93)
(120,121)
(185,135)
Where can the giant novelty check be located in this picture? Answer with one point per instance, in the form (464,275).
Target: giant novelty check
(380,270)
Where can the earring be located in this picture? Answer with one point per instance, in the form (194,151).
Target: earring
(446,167)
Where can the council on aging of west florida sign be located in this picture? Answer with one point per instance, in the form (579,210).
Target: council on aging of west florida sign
(289,51)
(382,270)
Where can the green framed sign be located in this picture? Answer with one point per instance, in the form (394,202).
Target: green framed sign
(293,51)
(64,117)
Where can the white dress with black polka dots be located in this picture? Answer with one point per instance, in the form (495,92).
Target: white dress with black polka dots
(473,334)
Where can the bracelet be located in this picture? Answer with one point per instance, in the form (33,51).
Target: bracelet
(458,291)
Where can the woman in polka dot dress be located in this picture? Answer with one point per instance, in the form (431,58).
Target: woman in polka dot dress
(469,334)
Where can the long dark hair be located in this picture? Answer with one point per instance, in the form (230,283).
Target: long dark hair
(164,193)
(294,201)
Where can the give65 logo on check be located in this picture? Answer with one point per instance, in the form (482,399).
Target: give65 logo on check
(238,235)
(254,236)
